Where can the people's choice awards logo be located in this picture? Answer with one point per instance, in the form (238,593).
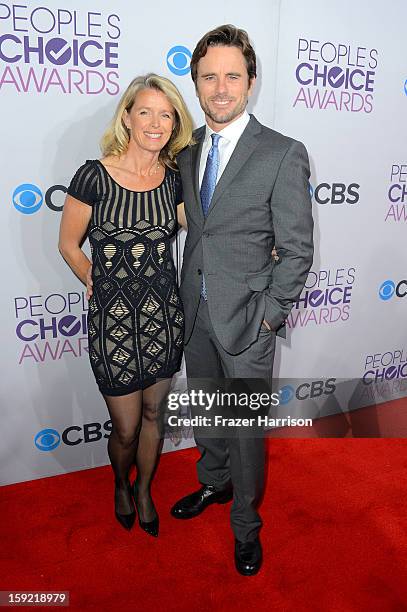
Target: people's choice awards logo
(397,194)
(45,49)
(387,366)
(335,76)
(47,439)
(27,198)
(179,60)
(325,299)
(389,288)
(51,327)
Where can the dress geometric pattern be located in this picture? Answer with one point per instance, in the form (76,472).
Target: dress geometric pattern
(135,317)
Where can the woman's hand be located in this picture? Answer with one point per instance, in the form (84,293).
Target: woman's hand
(181,218)
(74,223)
(89,283)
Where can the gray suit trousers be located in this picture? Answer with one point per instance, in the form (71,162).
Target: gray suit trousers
(239,459)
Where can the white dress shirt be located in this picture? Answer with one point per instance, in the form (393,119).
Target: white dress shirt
(230,136)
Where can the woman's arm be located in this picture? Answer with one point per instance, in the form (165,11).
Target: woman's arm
(74,223)
(182,220)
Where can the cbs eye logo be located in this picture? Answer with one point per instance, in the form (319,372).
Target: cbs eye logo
(47,439)
(27,198)
(307,390)
(179,59)
(389,288)
(286,394)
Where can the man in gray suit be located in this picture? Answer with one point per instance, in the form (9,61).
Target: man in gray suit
(245,191)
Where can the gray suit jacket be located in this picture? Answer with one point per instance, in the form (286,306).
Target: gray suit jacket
(261,199)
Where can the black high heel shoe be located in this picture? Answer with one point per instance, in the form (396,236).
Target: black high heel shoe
(150,527)
(125,520)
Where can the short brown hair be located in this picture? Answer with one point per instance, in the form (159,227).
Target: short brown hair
(226,36)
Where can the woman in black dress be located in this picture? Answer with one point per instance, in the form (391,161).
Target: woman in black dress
(128,203)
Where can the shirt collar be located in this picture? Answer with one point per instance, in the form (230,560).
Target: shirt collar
(233,131)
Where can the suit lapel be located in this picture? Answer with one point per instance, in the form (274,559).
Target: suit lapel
(195,152)
(247,143)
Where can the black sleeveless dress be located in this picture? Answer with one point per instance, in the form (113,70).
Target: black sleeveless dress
(135,318)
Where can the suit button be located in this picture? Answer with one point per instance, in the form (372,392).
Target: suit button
(199,271)
(206,234)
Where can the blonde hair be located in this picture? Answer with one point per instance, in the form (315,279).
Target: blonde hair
(116,138)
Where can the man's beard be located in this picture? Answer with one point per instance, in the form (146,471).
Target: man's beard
(224,118)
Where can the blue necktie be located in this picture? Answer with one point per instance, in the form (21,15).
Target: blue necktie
(208,186)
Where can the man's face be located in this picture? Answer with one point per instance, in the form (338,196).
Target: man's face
(222,85)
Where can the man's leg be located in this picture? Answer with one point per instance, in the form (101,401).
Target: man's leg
(203,370)
(247,453)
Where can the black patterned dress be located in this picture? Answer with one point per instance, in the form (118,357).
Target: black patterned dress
(135,318)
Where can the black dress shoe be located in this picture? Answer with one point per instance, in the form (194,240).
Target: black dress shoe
(125,520)
(150,527)
(248,557)
(194,504)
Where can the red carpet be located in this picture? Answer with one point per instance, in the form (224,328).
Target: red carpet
(334,537)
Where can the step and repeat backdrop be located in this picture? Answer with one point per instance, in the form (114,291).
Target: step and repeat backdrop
(332,76)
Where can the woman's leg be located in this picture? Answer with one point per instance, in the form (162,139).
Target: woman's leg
(125,413)
(149,446)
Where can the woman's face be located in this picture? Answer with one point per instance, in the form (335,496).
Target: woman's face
(151,120)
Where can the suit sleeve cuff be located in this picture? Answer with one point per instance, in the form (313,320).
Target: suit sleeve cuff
(275,320)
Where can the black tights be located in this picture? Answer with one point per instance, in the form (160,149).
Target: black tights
(136,436)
